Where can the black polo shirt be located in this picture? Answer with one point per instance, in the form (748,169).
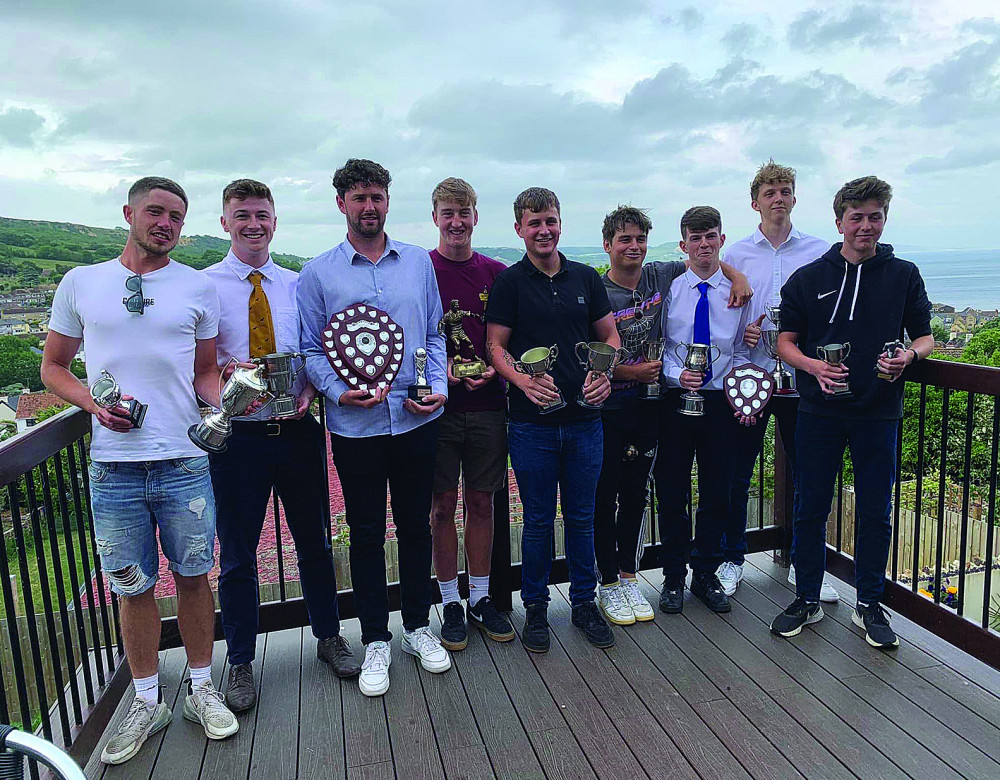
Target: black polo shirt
(542,311)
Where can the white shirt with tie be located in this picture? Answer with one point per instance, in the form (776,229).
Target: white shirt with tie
(232,282)
(725,325)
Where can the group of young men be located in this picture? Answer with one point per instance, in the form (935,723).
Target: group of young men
(587,437)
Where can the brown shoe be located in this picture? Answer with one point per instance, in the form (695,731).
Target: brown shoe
(336,651)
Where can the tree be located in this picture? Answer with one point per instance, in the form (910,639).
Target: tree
(940,332)
(18,364)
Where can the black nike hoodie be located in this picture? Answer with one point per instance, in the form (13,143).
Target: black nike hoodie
(866,305)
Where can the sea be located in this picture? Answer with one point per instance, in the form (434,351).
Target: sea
(961,277)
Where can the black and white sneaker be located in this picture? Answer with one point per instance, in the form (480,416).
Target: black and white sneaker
(672,597)
(485,616)
(798,614)
(875,621)
(587,617)
(706,586)
(453,632)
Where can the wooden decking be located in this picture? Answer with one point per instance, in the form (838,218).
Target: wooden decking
(686,696)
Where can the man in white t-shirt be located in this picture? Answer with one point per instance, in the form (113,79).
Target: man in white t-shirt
(151,323)
(768,256)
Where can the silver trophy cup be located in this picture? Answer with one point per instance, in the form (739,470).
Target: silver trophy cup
(784,380)
(598,358)
(537,361)
(698,358)
(651,350)
(835,354)
(421,388)
(244,387)
(280,373)
(108,395)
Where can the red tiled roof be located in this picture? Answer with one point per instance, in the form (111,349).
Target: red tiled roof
(30,404)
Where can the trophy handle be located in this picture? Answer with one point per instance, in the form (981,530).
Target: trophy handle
(519,367)
(576,350)
(718,353)
(847,349)
(554,352)
(621,354)
(682,360)
(222,373)
(819,353)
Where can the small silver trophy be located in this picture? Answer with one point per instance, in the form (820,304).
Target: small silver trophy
(889,350)
(108,395)
(784,380)
(280,373)
(698,359)
(835,354)
(652,349)
(420,389)
(244,387)
(537,361)
(598,358)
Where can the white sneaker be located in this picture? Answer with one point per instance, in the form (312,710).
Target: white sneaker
(640,607)
(729,575)
(827,592)
(139,723)
(374,679)
(614,604)
(207,706)
(427,647)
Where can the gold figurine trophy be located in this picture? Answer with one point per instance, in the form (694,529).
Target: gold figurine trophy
(462,367)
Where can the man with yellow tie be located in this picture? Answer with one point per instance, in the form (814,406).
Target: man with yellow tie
(258,317)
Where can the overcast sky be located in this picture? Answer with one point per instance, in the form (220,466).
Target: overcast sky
(605,102)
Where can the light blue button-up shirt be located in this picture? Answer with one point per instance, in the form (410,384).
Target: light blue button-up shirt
(402,283)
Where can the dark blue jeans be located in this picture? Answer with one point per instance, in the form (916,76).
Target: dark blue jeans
(242,478)
(820,442)
(544,457)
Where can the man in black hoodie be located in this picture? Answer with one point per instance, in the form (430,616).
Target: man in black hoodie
(858,293)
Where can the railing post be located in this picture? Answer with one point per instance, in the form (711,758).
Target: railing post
(500,580)
(784,499)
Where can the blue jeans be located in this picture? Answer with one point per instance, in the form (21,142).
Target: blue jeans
(131,499)
(820,442)
(544,456)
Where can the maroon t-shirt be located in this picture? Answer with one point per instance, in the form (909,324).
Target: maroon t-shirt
(470,283)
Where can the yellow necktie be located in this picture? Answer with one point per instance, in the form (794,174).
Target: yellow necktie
(261,327)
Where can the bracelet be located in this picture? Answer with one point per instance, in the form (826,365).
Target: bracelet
(916,355)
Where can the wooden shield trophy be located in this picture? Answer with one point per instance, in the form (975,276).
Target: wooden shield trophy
(364,346)
(748,388)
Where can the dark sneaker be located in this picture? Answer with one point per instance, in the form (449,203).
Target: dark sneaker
(672,597)
(588,618)
(707,587)
(336,651)
(535,636)
(454,635)
(875,621)
(241,693)
(799,613)
(488,619)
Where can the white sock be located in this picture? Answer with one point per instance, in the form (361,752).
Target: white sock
(201,676)
(478,588)
(449,591)
(148,689)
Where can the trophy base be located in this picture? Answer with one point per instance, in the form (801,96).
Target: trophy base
(839,395)
(418,393)
(650,392)
(207,438)
(692,405)
(784,383)
(882,375)
(554,406)
(136,413)
(470,369)
(585,405)
(283,406)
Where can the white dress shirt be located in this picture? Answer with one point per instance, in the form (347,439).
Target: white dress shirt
(231,278)
(726,326)
(767,270)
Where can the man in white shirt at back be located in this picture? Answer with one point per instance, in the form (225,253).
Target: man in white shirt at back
(151,322)
(768,256)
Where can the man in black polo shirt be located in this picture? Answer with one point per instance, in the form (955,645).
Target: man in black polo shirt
(544,301)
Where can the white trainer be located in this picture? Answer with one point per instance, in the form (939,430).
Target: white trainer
(374,679)
(139,724)
(207,706)
(427,647)
(640,607)
(827,593)
(730,574)
(614,604)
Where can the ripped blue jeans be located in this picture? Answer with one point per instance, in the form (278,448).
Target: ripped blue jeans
(130,499)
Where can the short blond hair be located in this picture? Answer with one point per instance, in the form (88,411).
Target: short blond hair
(771,173)
(454,190)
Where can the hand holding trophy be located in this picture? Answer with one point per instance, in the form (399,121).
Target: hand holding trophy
(108,395)
(535,363)
(698,359)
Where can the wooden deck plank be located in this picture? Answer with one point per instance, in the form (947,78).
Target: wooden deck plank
(469,762)
(321,716)
(380,771)
(231,757)
(758,756)
(505,739)
(561,763)
(650,744)
(366,733)
(964,691)
(275,744)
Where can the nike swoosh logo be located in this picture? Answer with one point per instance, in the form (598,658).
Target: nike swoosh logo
(821,296)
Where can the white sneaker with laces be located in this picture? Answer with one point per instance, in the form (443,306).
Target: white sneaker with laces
(827,593)
(374,679)
(730,574)
(614,604)
(427,647)
(640,607)
(139,723)
(207,706)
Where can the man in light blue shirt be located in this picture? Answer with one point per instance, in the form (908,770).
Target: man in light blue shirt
(382,438)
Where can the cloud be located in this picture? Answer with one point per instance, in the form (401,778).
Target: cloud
(862,25)
(18,126)
(970,155)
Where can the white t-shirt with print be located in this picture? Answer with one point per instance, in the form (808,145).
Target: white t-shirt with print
(150,355)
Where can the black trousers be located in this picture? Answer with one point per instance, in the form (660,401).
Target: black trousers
(629,450)
(366,466)
(242,479)
(711,439)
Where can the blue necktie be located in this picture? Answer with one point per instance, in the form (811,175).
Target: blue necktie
(702,331)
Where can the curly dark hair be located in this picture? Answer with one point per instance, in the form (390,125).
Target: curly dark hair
(625,215)
(363,172)
(856,192)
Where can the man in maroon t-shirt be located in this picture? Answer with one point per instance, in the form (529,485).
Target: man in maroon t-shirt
(472,438)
